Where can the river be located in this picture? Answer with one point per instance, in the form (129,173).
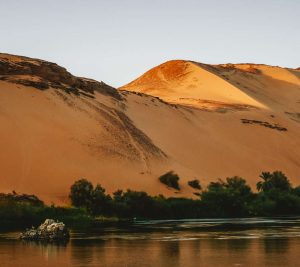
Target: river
(187,243)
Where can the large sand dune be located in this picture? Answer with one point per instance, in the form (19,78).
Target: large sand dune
(212,121)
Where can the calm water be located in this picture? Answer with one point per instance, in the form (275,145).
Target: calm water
(235,242)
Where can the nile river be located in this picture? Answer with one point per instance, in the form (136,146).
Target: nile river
(186,243)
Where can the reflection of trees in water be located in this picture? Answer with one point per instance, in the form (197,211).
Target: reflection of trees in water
(192,248)
(276,245)
(161,251)
(230,244)
(116,252)
(277,252)
(169,253)
(84,252)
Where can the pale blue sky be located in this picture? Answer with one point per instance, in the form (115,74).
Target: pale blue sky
(117,40)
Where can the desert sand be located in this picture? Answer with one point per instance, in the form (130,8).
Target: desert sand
(202,121)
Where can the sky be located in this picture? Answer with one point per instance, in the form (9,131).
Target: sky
(115,41)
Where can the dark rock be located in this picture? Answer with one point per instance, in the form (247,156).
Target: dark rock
(265,124)
(18,69)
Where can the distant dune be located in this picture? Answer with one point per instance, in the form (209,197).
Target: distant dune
(202,121)
(200,85)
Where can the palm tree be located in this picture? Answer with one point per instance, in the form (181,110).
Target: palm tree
(264,185)
(275,180)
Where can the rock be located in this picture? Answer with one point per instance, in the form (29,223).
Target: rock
(48,231)
(42,75)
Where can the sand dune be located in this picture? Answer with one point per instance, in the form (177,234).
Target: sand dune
(56,128)
(214,141)
(186,82)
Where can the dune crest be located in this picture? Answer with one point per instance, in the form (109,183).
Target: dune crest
(192,83)
(181,81)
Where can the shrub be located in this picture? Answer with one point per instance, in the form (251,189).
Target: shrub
(84,195)
(133,204)
(81,193)
(15,214)
(170,179)
(195,184)
(100,202)
(227,199)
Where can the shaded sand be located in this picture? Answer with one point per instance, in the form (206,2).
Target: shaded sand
(75,127)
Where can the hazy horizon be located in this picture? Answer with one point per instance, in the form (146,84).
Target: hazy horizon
(116,41)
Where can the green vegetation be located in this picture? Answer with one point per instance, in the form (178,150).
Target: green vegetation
(170,179)
(81,193)
(94,200)
(276,195)
(271,181)
(21,210)
(230,198)
(195,184)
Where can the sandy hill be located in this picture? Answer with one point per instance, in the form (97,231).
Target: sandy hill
(204,86)
(212,121)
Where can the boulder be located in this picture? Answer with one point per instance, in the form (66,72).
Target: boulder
(47,231)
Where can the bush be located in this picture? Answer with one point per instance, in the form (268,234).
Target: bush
(15,215)
(133,204)
(81,193)
(84,195)
(100,202)
(170,179)
(227,199)
(195,184)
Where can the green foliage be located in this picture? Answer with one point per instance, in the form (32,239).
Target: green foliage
(81,193)
(296,191)
(230,198)
(16,214)
(170,179)
(100,202)
(138,204)
(84,195)
(276,195)
(276,202)
(133,203)
(227,199)
(275,180)
(195,184)
(178,208)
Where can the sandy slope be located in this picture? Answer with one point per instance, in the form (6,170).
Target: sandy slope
(52,134)
(212,141)
(47,142)
(191,83)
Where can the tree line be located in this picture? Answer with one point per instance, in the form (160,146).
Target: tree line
(230,198)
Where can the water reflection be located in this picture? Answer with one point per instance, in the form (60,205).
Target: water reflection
(85,251)
(173,244)
(276,245)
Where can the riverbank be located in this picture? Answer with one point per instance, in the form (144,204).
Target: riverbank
(91,205)
(18,212)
